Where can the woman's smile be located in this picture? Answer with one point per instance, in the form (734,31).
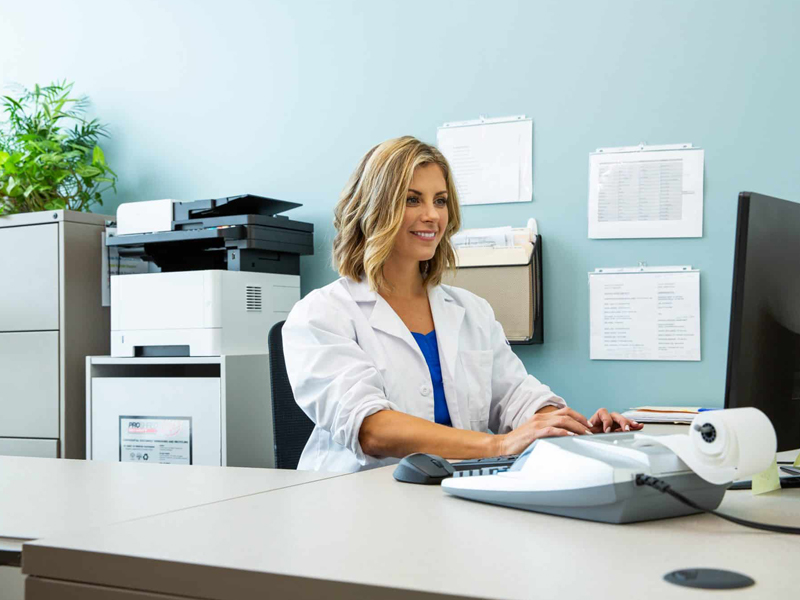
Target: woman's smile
(426,236)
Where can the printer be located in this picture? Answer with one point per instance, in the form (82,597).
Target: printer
(229,270)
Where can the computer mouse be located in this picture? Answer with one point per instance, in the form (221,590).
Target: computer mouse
(427,469)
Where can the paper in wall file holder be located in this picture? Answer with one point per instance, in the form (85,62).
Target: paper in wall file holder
(510,279)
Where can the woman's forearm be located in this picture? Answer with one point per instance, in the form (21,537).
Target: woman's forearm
(397,434)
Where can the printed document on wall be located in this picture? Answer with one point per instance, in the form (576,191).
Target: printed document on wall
(646,192)
(491,159)
(644,314)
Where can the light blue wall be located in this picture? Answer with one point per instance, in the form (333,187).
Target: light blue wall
(281,98)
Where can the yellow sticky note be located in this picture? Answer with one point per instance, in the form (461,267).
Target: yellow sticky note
(767,481)
(797,461)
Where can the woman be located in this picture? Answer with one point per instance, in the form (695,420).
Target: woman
(387,361)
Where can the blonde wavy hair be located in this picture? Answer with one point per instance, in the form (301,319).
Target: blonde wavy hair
(369,213)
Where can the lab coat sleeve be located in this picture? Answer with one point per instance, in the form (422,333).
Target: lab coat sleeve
(516,395)
(334,381)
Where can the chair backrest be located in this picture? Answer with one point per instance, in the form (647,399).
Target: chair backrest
(291,426)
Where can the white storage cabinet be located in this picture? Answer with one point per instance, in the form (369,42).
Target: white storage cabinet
(213,411)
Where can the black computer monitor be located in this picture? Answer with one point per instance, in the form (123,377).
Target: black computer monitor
(764,342)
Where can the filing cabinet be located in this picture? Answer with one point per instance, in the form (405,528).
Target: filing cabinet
(51,318)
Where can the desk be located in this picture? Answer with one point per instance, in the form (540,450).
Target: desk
(367,536)
(41,497)
(44,497)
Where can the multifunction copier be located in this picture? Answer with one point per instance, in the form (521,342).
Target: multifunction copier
(229,270)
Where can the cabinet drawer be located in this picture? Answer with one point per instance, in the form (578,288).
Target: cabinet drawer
(29,278)
(29,384)
(35,448)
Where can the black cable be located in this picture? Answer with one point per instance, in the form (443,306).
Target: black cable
(665,488)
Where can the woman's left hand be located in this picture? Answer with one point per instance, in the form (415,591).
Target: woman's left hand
(605,422)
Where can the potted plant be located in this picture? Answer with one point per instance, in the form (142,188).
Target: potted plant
(49,156)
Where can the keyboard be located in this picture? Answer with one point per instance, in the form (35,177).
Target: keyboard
(484,466)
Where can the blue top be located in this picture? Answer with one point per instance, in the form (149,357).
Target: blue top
(430,350)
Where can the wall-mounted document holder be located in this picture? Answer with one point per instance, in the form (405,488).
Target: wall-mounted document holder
(510,279)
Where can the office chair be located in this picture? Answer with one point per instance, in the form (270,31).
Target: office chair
(291,426)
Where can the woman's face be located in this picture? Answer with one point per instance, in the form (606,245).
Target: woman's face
(425,218)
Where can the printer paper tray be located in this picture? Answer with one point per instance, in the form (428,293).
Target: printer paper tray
(247,220)
(238,236)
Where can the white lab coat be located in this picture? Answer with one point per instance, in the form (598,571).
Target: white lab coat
(348,355)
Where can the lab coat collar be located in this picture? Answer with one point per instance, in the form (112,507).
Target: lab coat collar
(383,316)
(359,290)
(447,318)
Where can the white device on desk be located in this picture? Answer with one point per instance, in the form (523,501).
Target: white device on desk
(600,478)
(198,313)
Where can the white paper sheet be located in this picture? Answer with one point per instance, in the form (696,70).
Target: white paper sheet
(491,159)
(644,314)
(497,237)
(646,193)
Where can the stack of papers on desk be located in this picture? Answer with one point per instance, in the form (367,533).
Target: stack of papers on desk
(663,414)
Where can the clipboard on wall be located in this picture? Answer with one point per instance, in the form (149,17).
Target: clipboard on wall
(646,192)
(491,158)
(644,313)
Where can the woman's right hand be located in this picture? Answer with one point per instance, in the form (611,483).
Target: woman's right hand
(560,422)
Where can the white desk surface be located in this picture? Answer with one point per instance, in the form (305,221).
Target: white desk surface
(367,536)
(43,496)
